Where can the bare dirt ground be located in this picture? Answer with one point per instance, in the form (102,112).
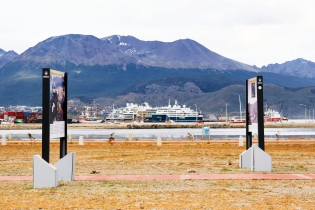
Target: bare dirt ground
(128,158)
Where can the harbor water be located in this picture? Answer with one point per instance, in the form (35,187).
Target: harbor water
(167,134)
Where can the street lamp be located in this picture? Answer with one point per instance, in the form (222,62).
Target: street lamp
(305,110)
(196,113)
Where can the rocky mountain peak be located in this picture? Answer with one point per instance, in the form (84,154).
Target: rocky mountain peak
(6,57)
(298,67)
(1,51)
(121,50)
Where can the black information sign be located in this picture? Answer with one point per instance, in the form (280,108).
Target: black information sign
(255,111)
(54,124)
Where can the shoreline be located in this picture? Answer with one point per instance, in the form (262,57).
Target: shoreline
(33,126)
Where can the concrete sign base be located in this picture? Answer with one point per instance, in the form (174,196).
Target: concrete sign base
(256,159)
(44,174)
(66,167)
(246,158)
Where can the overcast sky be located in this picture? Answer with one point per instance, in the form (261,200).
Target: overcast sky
(255,32)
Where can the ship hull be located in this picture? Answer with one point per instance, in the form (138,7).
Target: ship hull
(90,121)
(272,119)
(165,118)
(237,121)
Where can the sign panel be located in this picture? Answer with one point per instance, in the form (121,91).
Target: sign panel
(252,105)
(57,102)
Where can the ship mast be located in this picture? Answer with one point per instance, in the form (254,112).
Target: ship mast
(239,99)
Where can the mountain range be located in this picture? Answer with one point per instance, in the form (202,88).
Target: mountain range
(299,68)
(121,69)
(117,50)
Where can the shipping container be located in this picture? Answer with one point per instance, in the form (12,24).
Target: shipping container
(11,114)
(27,114)
(19,115)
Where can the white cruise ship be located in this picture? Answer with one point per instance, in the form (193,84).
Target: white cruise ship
(131,112)
(146,113)
(176,113)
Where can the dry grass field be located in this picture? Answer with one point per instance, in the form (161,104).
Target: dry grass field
(134,158)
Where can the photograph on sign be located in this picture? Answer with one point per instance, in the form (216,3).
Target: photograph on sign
(253,89)
(252,105)
(57,100)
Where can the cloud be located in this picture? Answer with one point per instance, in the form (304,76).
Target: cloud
(254,32)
